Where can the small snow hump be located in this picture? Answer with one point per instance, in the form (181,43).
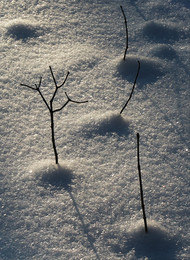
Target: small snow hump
(58,177)
(164,51)
(157,244)
(151,68)
(22,30)
(53,176)
(106,123)
(161,32)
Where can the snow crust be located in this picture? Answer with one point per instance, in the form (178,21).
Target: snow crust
(88,206)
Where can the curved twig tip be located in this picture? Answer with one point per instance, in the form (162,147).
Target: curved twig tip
(132,88)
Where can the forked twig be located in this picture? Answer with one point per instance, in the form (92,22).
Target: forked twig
(69,100)
(132,88)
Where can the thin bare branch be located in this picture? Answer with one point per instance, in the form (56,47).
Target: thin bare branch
(67,96)
(140,182)
(55,82)
(24,85)
(53,77)
(64,80)
(37,88)
(39,84)
(74,101)
(69,100)
(132,88)
(126,29)
(59,109)
(43,98)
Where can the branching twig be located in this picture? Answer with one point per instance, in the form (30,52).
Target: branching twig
(69,100)
(56,86)
(126,29)
(132,88)
(50,105)
(37,88)
(140,181)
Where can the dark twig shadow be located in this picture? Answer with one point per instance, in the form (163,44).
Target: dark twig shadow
(85,229)
(57,178)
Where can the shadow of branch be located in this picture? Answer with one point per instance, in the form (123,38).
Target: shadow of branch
(85,229)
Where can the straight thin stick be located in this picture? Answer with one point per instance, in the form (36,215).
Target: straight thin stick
(140,181)
(126,29)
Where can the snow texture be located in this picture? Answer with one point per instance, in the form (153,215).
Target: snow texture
(88,206)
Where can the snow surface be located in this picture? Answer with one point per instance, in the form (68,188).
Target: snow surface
(88,206)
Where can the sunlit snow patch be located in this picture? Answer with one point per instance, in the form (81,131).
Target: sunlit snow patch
(104,123)
(22,29)
(49,174)
(150,69)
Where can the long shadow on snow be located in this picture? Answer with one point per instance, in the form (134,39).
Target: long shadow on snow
(61,178)
(85,229)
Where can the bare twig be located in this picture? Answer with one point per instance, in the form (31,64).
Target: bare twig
(28,86)
(140,181)
(69,100)
(132,88)
(50,105)
(37,88)
(126,31)
(56,86)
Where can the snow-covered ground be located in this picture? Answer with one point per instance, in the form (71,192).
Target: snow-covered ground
(88,207)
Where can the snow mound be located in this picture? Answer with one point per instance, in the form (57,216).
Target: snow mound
(150,70)
(157,244)
(104,124)
(49,174)
(161,32)
(22,29)
(164,51)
